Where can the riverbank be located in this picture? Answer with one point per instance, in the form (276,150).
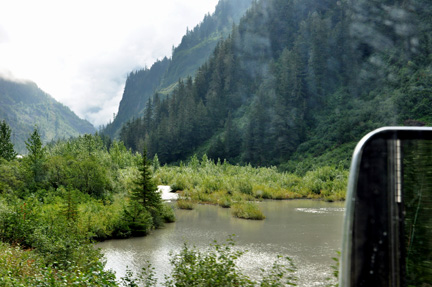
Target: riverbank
(223,184)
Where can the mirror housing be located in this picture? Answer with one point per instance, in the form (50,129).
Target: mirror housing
(374,238)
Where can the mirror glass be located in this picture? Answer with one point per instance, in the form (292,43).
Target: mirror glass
(388,220)
(417,198)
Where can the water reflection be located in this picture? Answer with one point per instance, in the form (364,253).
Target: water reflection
(307,231)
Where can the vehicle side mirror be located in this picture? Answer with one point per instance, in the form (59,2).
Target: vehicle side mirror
(388,221)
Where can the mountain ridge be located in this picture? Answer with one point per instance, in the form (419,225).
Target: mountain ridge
(195,48)
(297,85)
(24,106)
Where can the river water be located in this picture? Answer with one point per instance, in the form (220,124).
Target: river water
(307,231)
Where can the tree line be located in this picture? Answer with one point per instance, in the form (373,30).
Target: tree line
(296,84)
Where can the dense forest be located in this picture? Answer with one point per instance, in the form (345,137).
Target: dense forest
(23,104)
(296,84)
(195,48)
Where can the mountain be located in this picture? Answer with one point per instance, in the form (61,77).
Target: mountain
(296,84)
(23,105)
(163,76)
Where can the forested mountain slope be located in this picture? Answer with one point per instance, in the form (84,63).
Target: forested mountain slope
(194,50)
(23,106)
(298,83)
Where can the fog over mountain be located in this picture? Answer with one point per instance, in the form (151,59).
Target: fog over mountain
(80,52)
(24,107)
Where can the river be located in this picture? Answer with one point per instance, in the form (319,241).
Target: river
(307,231)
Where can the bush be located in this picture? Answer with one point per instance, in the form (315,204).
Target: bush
(215,266)
(211,184)
(224,184)
(225,202)
(263,191)
(168,215)
(20,267)
(326,182)
(185,204)
(138,220)
(247,210)
(245,187)
(179,185)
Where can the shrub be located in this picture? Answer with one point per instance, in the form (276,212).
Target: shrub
(185,204)
(225,202)
(245,187)
(138,220)
(168,213)
(216,267)
(284,194)
(156,218)
(210,184)
(224,184)
(324,181)
(262,191)
(179,185)
(247,210)
(20,267)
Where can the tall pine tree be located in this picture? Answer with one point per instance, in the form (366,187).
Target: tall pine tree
(6,147)
(145,190)
(36,158)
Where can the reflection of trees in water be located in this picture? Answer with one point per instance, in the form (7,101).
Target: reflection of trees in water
(418,212)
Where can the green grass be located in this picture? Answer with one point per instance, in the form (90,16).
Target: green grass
(223,184)
(185,204)
(247,210)
(209,182)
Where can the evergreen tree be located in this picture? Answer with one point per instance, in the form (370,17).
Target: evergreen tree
(232,139)
(145,190)
(146,203)
(6,147)
(70,209)
(148,116)
(36,157)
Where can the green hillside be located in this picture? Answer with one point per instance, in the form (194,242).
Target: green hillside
(23,105)
(193,51)
(297,84)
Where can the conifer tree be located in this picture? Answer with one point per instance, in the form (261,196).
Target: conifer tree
(6,147)
(70,209)
(145,190)
(34,147)
(36,157)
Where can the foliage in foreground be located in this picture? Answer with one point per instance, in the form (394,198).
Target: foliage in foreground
(59,198)
(215,267)
(20,267)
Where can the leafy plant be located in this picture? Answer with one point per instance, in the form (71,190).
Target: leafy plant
(247,210)
(185,204)
(335,271)
(215,266)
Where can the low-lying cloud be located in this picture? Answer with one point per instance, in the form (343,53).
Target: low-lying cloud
(80,52)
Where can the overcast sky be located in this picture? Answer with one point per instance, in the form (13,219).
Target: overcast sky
(80,51)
